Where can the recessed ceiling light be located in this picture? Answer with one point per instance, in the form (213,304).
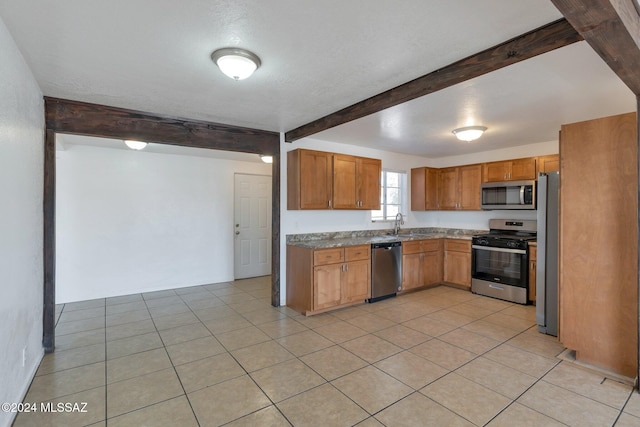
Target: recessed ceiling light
(469,133)
(135,145)
(235,62)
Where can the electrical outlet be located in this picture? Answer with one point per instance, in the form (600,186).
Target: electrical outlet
(24,356)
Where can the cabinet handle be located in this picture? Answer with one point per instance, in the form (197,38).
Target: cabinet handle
(329,203)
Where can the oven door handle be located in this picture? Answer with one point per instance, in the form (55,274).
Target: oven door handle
(492,249)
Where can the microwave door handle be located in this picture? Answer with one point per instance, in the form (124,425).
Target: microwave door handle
(522,194)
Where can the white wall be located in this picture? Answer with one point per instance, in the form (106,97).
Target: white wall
(298,222)
(21,185)
(136,221)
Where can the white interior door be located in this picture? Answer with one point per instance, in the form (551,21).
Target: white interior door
(252,226)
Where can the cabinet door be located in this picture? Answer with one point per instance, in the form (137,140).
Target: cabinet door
(470,182)
(457,268)
(424,189)
(411,271)
(496,171)
(448,179)
(315,180)
(431,186)
(356,283)
(522,169)
(368,174)
(533,258)
(344,182)
(327,286)
(418,189)
(549,163)
(432,267)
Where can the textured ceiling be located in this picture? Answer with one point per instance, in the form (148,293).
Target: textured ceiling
(317,57)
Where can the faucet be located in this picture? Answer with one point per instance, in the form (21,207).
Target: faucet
(399,222)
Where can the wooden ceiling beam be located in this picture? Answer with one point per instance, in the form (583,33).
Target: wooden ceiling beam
(612,28)
(541,40)
(82,118)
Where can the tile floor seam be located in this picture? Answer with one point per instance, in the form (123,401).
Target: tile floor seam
(449,409)
(582,395)
(529,388)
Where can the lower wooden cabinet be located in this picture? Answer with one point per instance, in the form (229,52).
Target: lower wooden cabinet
(457,262)
(421,263)
(322,279)
(533,261)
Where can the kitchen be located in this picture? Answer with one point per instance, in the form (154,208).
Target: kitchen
(361,220)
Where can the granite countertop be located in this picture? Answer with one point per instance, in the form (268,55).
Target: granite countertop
(367,237)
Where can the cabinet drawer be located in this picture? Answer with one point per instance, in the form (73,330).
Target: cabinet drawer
(328,256)
(533,253)
(412,247)
(431,245)
(457,245)
(355,253)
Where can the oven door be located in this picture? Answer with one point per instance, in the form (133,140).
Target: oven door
(500,265)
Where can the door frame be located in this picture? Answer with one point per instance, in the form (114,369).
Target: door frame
(81,118)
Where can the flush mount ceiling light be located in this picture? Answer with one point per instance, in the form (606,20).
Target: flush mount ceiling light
(469,133)
(266,159)
(235,62)
(135,145)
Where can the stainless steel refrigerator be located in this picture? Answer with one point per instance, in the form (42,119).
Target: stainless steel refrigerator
(547,261)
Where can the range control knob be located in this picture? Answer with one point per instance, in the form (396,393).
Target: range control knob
(512,244)
(483,242)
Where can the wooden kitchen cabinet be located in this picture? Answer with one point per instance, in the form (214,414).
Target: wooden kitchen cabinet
(422,263)
(457,262)
(533,261)
(424,189)
(356,182)
(459,187)
(309,179)
(510,170)
(323,279)
(549,163)
(322,180)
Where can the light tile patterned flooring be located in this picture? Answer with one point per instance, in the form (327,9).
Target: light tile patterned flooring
(221,355)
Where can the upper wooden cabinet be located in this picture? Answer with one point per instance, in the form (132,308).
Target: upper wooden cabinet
(510,170)
(322,180)
(424,189)
(549,163)
(356,182)
(459,187)
(309,179)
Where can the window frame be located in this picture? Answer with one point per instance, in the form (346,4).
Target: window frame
(403,195)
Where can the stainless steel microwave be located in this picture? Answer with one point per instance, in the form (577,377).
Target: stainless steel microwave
(508,195)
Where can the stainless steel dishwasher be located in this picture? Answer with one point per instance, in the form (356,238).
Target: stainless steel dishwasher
(386,270)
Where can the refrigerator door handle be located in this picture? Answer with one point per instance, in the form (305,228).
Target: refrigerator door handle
(541,241)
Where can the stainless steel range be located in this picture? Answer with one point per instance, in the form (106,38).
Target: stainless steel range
(500,260)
